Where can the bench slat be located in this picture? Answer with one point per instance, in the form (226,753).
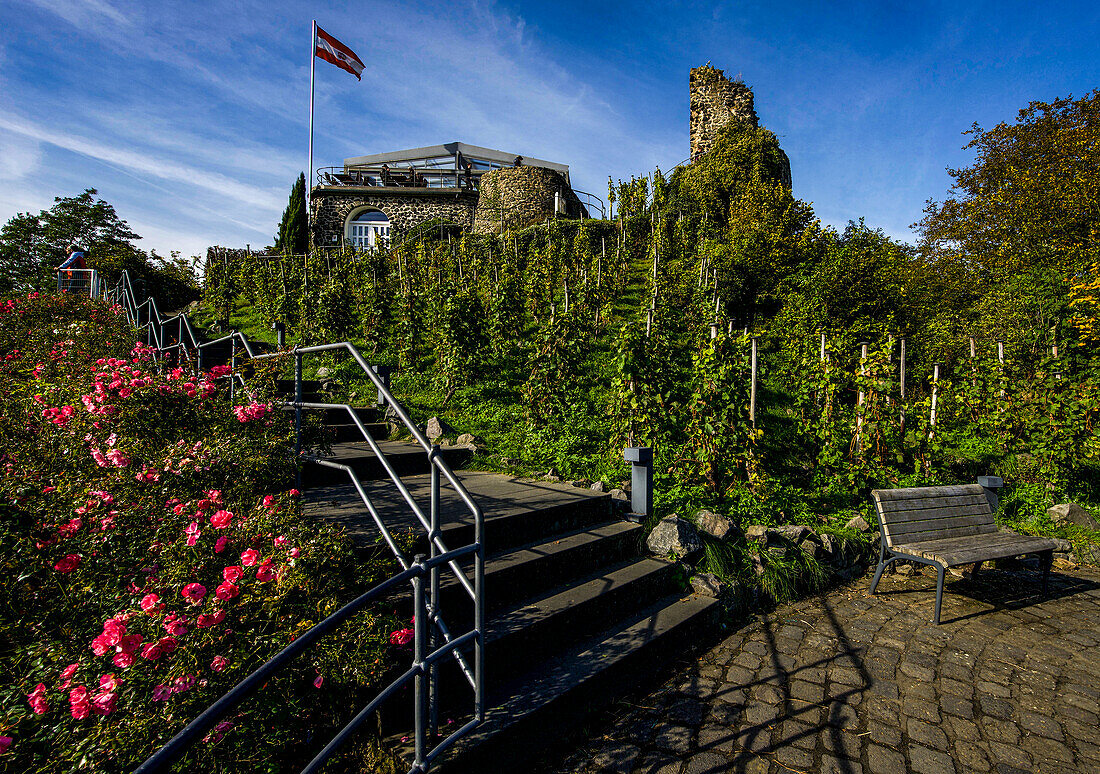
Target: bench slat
(953,552)
(916,493)
(901,506)
(964,530)
(902,534)
(904,517)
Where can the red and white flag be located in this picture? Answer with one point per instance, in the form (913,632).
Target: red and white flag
(332,50)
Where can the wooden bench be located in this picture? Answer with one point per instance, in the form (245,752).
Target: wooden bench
(947,526)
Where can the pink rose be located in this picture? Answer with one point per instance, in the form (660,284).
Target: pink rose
(401,637)
(317,681)
(168,645)
(68,563)
(161,692)
(249,557)
(294,493)
(37,699)
(123,660)
(221,519)
(100,646)
(294,553)
(117,458)
(67,674)
(149,603)
(194,592)
(226,591)
(79,706)
(109,683)
(184,683)
(220,544)
(232,574)
(152,651)
(104,703)
(265,572)
(99,458)
(205,621)
(219,663)
(269,501)
(280,541)
(5,743)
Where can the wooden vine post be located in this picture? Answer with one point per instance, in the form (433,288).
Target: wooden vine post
(901,383)
(861,397)
(752,383)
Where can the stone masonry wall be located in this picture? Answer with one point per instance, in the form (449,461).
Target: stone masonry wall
(520,197)
(331,206)
(715,102)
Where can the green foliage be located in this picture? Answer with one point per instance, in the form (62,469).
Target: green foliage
(293,234)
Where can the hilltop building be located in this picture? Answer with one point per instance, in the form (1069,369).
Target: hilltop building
(383,195)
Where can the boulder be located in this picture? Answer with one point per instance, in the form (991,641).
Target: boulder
(777,552)
(757,563)
(792,532)
(598,487)
(859,524)
(469,439)
(324,372)
(581,483)
(1062,546)
(676,537)
(1087,554)
(829,545)
(905,570)
(437,428)
(715,524)
(619,494)
(707,584)
(812,549)
(757,532)
(1072,513)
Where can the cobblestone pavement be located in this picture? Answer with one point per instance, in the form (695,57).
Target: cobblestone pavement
(854,684)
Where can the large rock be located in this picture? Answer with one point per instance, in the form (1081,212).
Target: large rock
(437,428)
(757,532)
(707,584)
(619,494)
(1088,554)
(812,549)
(793,532)
(859,524)
(676,537)
(715,524)
(471,440)
(1072,513)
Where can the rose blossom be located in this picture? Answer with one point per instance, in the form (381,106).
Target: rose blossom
(37,699)
(161,692)
(5,743)
(265,572)
(232,574)
(67,675)
(149,603)
(68,563)
(249,557)
(220,544)
(401,637)
(221,519)
(79,706)
(194,592)
(226,591)
(219,663)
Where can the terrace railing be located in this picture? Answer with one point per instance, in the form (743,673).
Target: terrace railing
(433,641)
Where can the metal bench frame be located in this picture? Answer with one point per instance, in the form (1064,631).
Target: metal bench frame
(978,520)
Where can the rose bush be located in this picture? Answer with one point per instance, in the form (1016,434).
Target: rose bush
(154,555)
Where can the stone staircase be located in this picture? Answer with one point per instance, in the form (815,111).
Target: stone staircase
(574,612)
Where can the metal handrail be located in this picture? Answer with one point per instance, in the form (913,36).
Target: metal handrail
(591,196)
(428,614)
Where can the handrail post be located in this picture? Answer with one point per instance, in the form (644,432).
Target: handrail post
(433,597)
(298,415)
(420,683)
(232,371)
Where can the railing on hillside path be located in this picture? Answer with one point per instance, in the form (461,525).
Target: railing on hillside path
(430,630)
(83,281)
(589,200)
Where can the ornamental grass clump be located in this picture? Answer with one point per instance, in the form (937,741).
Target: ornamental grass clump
(154,555)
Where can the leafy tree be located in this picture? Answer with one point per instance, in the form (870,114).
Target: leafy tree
(293,236)
(32,245)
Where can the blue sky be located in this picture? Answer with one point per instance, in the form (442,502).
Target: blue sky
(191,117)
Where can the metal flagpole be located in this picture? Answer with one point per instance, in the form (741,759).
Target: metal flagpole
(312,64)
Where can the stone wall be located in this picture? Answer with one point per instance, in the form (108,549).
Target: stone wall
(405,208)
(516,197)
(715,102)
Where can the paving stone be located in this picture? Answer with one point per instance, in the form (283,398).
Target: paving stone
(970,756)
(831,765)
(883,760)
(617,757)
(926,734)
(926,761)
(673,739)
(1043,726)
(659,764)
(716,737)
(686,711)
(843,744)
(1000,730)
(888,735)
(954,705)
(706,763)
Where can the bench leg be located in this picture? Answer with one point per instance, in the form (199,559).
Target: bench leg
(975,570)
(883,562)
(1047,559)
(939,593)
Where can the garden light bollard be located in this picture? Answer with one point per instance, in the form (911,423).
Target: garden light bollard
(641,478)
(992,486)
(384,372)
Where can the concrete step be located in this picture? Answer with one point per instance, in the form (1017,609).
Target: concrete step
(555,695)
(337,416)
(536,628)
(537,567)
(286,386)
(379,431)
(517,511)
(407,459)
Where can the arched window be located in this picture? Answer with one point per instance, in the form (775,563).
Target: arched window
(369,228)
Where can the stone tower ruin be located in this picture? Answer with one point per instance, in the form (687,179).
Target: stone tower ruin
(716,101)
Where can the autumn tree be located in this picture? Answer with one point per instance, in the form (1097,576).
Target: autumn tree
(1025,216)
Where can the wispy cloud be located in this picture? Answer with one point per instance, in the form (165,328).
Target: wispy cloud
(160,168)
(81,13)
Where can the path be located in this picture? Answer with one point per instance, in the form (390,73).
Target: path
(852,684)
